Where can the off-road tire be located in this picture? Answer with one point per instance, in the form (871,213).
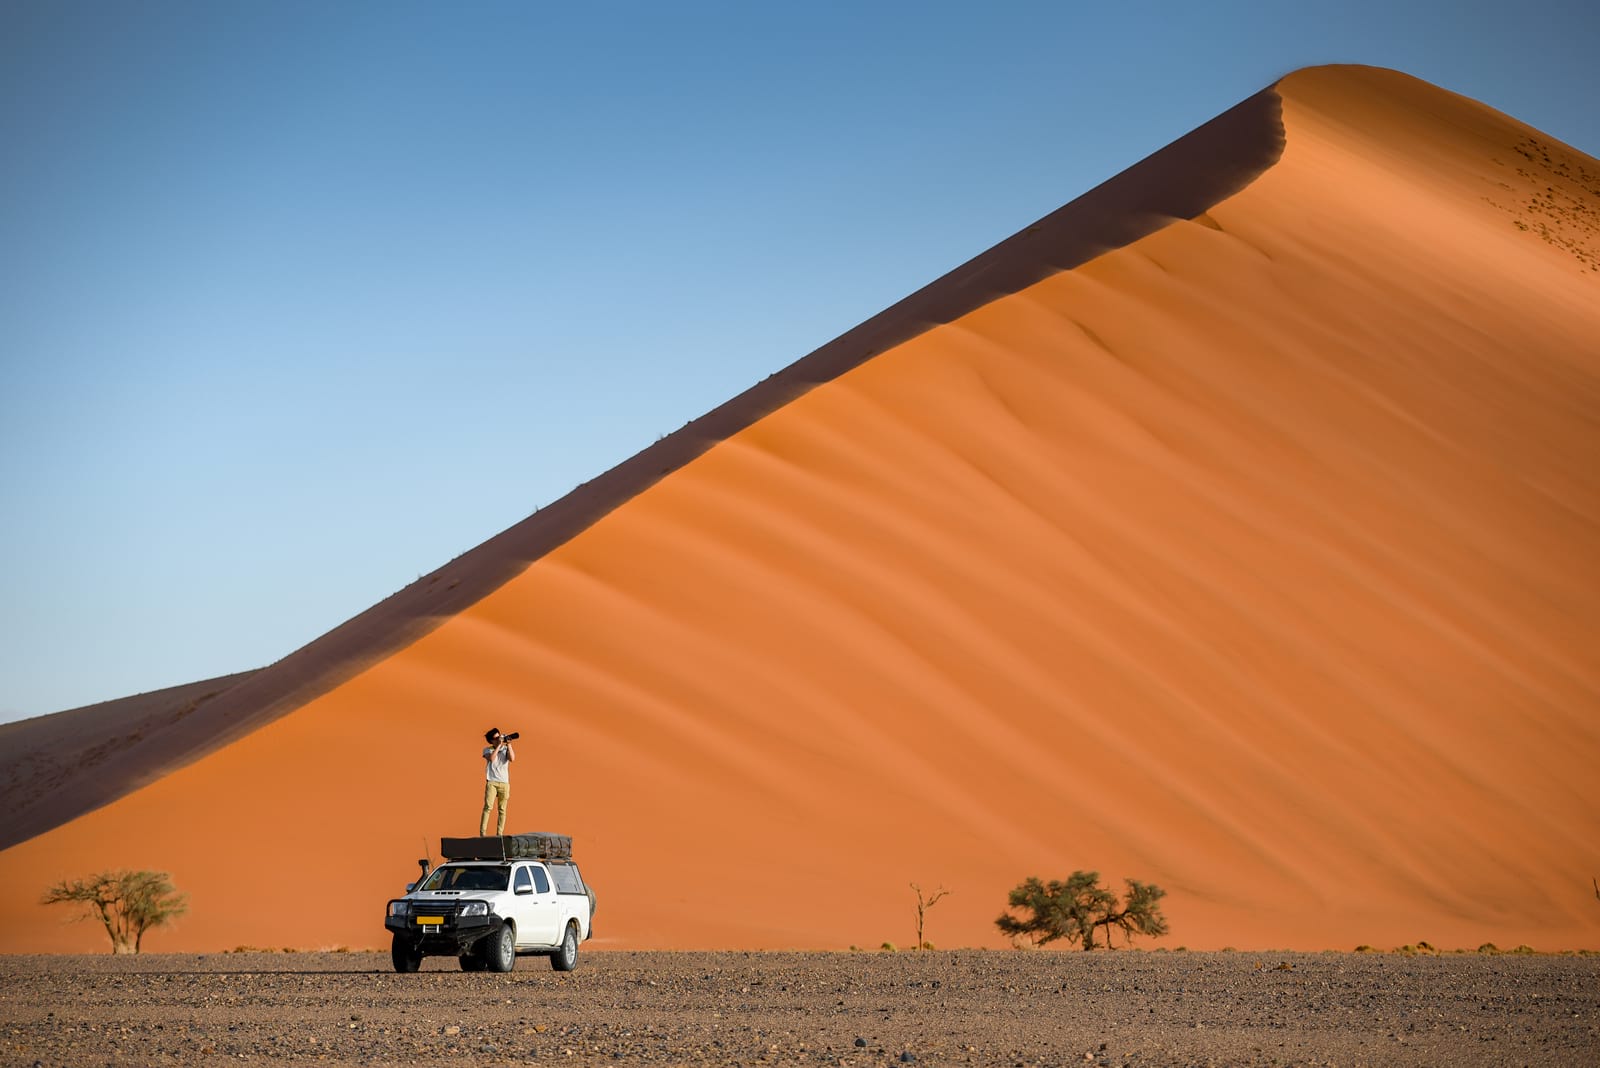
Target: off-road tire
(407,955)
(565,958)
(500,949)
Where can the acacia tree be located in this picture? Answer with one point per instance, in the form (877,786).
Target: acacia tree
(1072,909)
(127,903)
(923,905)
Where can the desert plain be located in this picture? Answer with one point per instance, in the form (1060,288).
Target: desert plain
(959,1007)
(1234,528)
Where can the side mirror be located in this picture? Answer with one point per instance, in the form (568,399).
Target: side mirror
(410,887)
(524,890)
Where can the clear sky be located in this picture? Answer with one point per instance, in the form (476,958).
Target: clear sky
(298,301)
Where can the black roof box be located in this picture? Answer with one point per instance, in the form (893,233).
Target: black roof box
(537,846)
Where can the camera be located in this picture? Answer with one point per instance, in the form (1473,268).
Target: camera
(513,736)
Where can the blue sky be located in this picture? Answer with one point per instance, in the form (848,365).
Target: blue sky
(298,301)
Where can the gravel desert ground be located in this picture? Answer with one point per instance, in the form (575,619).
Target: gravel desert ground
(980,1007)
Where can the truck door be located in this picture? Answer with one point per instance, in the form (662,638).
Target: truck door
(537,922)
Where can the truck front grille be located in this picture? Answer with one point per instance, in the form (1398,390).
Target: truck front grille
(447,909)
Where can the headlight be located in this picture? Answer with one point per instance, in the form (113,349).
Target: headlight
(399,908)
(475,908)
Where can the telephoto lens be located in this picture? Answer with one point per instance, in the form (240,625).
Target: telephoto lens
(513,736)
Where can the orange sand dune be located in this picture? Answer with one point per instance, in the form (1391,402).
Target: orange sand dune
(1257,557)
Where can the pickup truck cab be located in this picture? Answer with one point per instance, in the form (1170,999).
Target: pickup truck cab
(488,912)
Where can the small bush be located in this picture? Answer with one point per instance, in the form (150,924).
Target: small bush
(1488,947)
(887,947)
(1419,949)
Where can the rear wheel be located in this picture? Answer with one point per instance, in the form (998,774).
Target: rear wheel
(472,960)
(500,949)
(407,955)
(565,958)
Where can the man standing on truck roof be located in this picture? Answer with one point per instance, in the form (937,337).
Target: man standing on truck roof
(497,758)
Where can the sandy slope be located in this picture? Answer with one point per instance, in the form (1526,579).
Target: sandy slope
(1257,558)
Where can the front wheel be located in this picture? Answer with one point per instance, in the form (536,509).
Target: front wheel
(500,949)
(407,956)
(566,958)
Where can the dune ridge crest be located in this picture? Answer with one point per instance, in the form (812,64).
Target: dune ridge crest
(1255,557)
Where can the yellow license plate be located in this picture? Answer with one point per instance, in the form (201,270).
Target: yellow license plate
(431,920)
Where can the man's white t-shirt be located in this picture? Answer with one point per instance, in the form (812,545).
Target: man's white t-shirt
(496,764)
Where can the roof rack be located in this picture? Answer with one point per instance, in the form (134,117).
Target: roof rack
(537,846)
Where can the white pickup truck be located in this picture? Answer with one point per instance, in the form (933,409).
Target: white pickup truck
(488,909)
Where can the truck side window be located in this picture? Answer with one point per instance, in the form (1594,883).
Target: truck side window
(540,881)
(567,879)
(524,882)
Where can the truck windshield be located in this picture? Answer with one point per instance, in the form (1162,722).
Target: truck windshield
(476,877)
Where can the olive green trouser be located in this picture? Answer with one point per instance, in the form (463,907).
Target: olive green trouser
(492,792)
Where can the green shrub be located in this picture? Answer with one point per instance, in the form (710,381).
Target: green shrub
(1070,910)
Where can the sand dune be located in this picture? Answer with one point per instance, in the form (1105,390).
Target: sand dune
(1179,181)
(1257,557)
